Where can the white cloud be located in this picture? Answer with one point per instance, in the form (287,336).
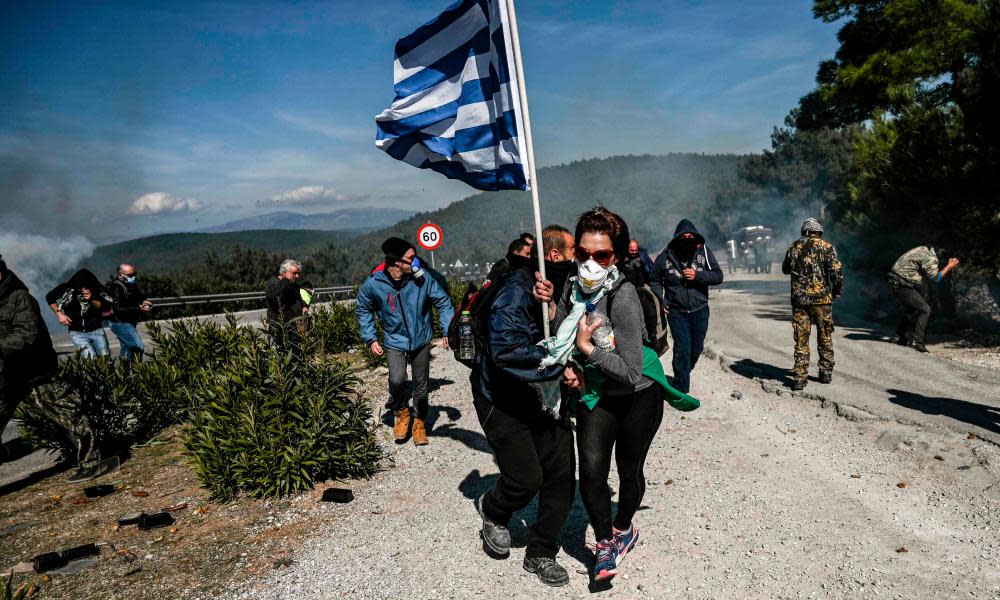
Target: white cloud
(311,194)
(161,203)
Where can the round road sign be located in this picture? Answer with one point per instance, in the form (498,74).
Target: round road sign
(429,236)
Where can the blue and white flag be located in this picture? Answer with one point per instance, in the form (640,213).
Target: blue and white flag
(457,109)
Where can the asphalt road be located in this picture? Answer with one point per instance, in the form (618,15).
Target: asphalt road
(751,327)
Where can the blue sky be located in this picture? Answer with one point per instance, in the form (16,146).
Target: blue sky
(212,111)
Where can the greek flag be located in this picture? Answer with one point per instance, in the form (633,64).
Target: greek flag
(457,108)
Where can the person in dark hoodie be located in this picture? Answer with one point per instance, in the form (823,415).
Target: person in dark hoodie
(26,354)
(402,295)
(681,276)
(79,305)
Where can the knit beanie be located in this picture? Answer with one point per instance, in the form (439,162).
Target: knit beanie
(811,225)
(396,247)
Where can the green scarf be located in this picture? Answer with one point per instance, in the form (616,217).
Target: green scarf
(651,368)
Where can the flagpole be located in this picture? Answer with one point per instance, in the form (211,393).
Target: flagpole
(529,151)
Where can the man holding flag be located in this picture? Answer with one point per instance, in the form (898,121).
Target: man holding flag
(461,110)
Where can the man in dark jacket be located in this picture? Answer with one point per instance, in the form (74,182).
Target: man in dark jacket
(128,304)
(79,304)
(517,248)
(26,354)
(284,303)
(637,266)
(533,450)
(681,276)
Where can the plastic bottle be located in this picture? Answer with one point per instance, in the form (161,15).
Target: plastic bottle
(604,336)
(467,344)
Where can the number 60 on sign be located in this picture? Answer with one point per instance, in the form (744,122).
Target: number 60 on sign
(429,236)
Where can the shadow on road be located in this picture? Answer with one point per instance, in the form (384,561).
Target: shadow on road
(750,369)
(980,415)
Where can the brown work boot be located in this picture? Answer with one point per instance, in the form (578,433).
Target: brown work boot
(419,432)
(401,425)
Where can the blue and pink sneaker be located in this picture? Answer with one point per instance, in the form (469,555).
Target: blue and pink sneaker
(624,541)
(605,560)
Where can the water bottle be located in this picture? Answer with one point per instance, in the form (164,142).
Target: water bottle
(604,336)
(466,344)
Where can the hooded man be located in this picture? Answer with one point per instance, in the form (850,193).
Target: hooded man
(681,276)
(26,354)
(79,305)
(817,280)
(402,295)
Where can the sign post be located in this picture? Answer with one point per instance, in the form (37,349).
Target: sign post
(429,237)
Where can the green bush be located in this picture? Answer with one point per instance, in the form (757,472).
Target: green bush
(119,403)
(334,329)
(269,425)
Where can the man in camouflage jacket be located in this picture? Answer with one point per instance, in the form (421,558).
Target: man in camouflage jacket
(817,280)
(908,281)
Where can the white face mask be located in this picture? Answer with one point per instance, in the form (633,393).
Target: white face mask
(592,275)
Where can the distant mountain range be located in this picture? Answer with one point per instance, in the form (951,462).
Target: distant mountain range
(347,219)
(650,192)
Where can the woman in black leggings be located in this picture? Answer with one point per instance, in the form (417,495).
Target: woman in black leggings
(624,416)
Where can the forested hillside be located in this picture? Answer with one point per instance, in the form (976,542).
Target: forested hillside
(650,192)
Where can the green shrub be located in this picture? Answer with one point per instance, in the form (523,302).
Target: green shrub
(334,329)
(270,425)
(121,404)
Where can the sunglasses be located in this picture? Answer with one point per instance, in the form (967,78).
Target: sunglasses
(601,257)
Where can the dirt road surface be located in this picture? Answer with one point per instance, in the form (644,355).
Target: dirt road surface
(881,485)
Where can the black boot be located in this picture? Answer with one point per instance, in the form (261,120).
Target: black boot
(919,347)
(496,537)
(825,377)
(548,570)
(798,385)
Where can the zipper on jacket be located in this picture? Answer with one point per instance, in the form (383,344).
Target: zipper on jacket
(402,313)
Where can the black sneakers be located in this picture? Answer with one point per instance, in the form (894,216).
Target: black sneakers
(919,347)
(496,537)
(548,570)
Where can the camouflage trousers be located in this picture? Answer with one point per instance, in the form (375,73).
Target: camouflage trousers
(803,318)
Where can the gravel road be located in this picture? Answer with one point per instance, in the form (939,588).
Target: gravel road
(755,495)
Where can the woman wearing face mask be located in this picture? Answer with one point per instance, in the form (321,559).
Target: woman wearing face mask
(624,412)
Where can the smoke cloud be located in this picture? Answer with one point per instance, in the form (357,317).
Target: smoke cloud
(41,261)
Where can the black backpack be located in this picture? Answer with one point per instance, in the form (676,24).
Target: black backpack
(477,301)
(657,333)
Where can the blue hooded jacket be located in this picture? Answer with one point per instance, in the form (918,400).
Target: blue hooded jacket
(405,314)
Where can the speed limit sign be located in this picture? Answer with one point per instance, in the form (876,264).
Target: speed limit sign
(429,236)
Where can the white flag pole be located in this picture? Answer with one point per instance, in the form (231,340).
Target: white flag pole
(529,151)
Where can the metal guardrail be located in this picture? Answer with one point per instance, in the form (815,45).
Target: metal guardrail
(344,290)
